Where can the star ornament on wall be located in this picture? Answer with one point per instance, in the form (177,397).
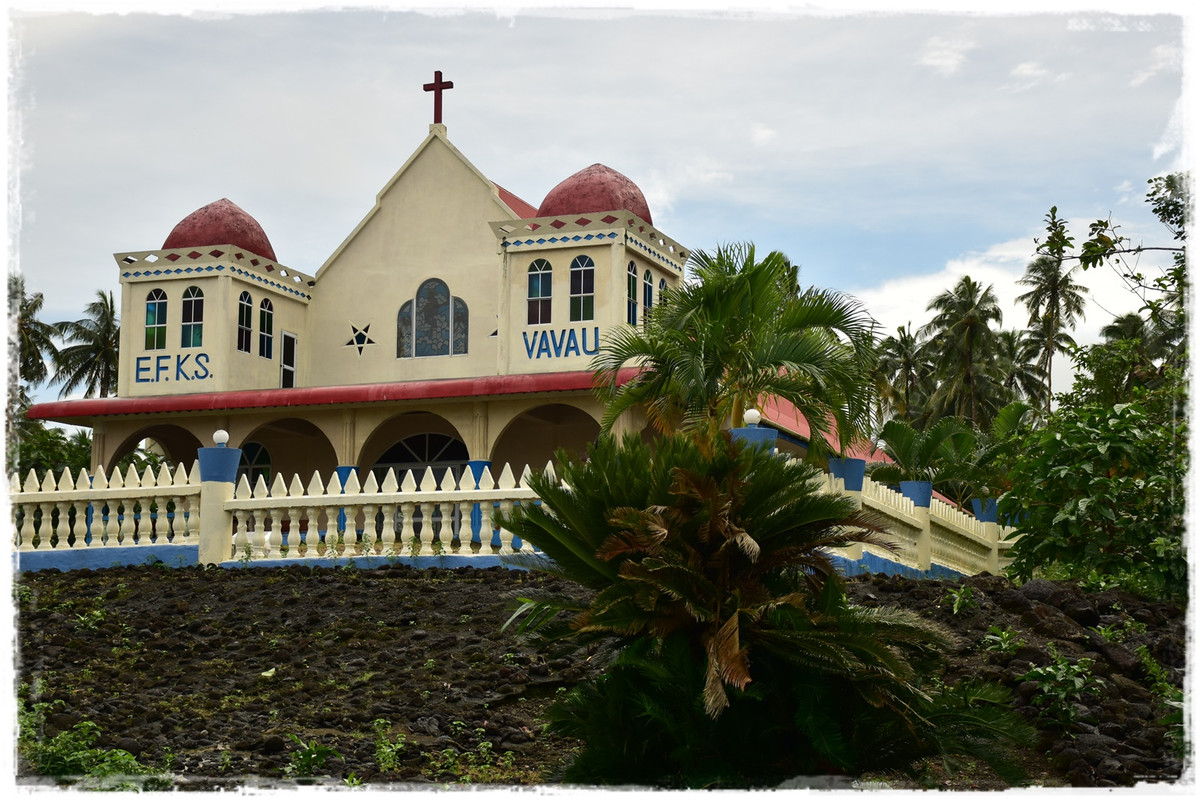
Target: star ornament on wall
(360,339)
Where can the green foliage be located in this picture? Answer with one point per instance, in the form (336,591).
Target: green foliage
(1061,685)
(961,599)
(1169,695)
(1001,640)
(739,660)
(304,761)
(477,765)
(939,454)
(1100,488)
(740,332)
(71,755)
(387,749)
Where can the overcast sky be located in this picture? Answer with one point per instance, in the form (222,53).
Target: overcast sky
(887,153)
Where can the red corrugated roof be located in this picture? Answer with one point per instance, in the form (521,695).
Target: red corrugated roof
(491,385)
(522,209)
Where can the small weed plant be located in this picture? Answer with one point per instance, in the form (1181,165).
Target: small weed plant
(308,758)
(1001,640)
(1120,631)
(480,765)
(387,748)
(960,599)
(1061,684)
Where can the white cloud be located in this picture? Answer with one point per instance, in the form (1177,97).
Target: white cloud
(760,134)
(1172,136)
(1163,58)
(945,55)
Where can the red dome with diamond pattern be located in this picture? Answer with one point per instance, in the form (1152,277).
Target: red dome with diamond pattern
(597,188)
(222,222)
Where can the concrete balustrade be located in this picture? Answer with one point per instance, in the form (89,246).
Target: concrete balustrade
(292,521)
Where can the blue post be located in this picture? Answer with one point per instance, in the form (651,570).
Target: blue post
(343,473)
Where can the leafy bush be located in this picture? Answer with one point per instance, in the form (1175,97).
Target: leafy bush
(1100,489)
(739,660)
(1061,684)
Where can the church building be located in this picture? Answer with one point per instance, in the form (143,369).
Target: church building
(452,327)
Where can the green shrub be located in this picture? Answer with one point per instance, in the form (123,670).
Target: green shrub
(739,661)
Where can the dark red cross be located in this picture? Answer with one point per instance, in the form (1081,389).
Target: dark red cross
(437,87)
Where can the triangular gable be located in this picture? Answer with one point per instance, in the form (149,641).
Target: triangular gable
(508,204)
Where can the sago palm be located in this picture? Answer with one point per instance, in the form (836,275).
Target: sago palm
(739,333)
(739,659)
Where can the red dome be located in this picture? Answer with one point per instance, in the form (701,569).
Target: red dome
(594,189)
(221,222)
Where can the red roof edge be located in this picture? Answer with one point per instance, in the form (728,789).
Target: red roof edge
(522,209)
(491,385)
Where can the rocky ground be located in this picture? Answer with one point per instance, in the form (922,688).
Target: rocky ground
(407,675)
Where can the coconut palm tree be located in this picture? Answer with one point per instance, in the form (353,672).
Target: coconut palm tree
(741,332)
(904,376)
(1018,364)
(1055,302)
(35,339)
(962,342)
(90,357)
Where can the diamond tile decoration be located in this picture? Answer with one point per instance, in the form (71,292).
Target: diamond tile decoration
(558,223)
(174,257)
(609,220)
(254,262)
(239,256)
(541,241)
(576,238)
(216,253)
(195,254)
(583,221)
(270,268)
(151,258)
(533,226)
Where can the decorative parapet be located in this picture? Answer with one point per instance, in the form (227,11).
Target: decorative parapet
(417,515)
(226,259)
(608,226)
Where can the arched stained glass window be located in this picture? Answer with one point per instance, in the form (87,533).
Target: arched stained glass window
(431,314)
(245,321)
(540,287)
(460,322)
(647,294)
(266,328)
(433,323)
(404,331)
(193,318)
(156,320)
(631,301)
(583,289)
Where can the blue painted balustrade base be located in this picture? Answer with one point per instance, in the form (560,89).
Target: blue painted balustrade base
(182,555)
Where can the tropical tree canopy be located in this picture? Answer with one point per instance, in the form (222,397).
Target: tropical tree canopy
(742,332)
(90,358)
(35,339)
(962,342)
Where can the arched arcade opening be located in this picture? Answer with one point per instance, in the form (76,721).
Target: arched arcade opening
(533,436)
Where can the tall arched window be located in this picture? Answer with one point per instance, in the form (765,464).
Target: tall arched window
(647,294)
(156,320)
(266,328)
(583,289)
(631,295)
(245,322)
(540,276)
(433,323)
(193,318)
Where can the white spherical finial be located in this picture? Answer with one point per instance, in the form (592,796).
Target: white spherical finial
(220,437)
(751,417)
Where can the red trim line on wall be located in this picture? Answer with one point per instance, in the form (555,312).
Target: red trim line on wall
(492,385)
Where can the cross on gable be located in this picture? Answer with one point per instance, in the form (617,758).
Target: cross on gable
(437,87)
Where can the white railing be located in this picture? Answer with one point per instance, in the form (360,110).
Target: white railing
(414,516)
(105,511)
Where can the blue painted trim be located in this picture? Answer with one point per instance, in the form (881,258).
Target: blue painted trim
(873,563)
(171,555)
(850,470)
(920,492)
(756,436)
(985,509)
(219,463)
